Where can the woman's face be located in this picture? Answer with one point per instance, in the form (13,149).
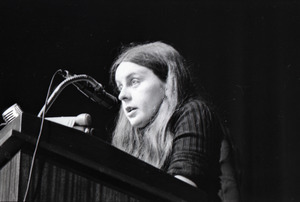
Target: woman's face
(141,92)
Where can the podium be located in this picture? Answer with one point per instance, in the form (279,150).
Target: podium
(73,166)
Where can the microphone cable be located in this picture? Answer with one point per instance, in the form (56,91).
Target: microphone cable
(39,136)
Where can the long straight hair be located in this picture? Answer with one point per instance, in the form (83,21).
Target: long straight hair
(153,143)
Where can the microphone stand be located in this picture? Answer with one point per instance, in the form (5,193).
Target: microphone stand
(62,85)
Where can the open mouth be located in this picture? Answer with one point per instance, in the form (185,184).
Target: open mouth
(130,109)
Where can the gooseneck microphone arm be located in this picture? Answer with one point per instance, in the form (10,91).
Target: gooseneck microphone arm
(58,90)
(93,90)
(87,85)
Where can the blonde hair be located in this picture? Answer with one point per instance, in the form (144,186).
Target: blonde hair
(153,143)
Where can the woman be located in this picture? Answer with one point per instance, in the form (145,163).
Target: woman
(162,121)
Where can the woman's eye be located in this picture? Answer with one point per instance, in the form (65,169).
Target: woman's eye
(134,82)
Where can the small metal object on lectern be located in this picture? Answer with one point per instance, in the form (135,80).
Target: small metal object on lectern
(11,113)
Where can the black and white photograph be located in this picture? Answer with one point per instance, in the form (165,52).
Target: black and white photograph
(139,101)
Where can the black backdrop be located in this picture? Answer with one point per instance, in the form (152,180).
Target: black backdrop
(244,55)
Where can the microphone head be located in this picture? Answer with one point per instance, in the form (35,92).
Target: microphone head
(11,113)
(83,119)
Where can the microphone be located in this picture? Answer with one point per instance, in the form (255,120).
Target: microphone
(80,122)
(11,113)
(83,119)
(93,90)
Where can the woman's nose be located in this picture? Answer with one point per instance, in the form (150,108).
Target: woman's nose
(124,94)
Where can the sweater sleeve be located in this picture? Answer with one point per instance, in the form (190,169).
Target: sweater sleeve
(192,151)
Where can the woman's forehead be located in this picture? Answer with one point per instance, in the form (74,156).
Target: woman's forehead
(126,69)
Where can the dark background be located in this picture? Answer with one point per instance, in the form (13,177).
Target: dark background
(245,55)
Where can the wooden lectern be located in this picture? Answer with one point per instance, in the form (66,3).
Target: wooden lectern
(73,166)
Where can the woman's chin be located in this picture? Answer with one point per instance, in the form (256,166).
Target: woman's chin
(138,124)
